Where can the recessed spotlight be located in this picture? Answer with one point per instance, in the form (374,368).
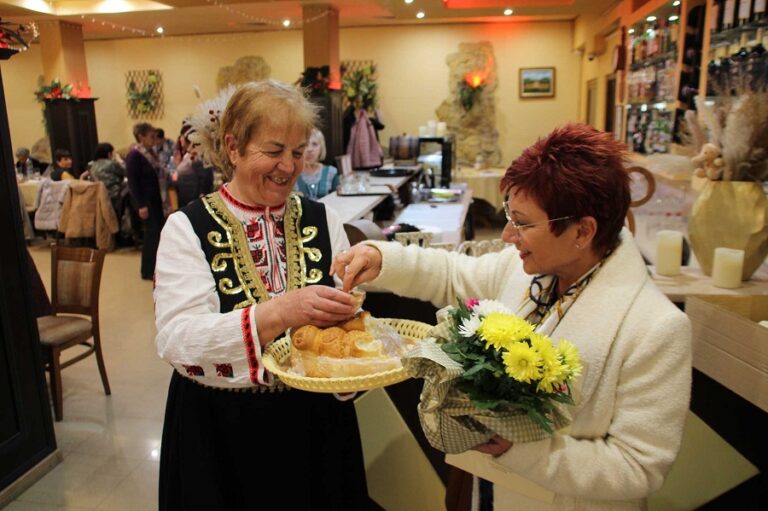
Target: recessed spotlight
(674,17)
(420,14)
(508,12)
(286,23)
(408,1)
(650,18)
(160,30)
(631,31)
(675,3)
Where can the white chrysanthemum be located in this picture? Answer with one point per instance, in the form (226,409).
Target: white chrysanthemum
(469,325)
(486,307)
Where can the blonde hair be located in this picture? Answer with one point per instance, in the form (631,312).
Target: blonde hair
(321,139)
(256,105)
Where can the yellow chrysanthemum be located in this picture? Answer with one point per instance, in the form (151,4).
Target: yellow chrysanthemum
(570,357)
(504,330)
(553,372)
(522,362)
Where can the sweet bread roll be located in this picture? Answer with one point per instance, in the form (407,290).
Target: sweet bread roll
(363,345)
(330,342)
(305,338)
(358,297)
(356,323)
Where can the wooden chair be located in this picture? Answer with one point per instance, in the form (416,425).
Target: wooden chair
(75,281)
(478,248)
(649,190)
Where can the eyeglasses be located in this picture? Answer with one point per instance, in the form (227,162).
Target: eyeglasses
(520,228)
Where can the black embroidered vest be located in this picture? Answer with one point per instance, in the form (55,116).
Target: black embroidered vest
(224,242)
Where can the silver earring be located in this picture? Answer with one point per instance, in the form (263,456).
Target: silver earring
(578,246)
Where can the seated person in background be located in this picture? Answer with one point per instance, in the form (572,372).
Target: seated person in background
(317,180)
(191,177)
(104,168)
(61,168)
(163,148)
(25,164)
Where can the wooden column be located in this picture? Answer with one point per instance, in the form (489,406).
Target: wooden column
(321,39)
(63,54)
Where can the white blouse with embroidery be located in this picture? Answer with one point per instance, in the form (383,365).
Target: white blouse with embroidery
(214,348)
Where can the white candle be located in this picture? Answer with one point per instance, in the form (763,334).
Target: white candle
(669,252)
(441,129)
(431,128)
(728,267)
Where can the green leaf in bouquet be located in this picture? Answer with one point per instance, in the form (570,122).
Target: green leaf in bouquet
(540,419)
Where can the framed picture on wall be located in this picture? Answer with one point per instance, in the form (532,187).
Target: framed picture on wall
(537,82)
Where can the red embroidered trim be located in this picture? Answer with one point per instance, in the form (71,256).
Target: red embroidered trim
(228,197)
(224,370)
(250,348)
(193,370)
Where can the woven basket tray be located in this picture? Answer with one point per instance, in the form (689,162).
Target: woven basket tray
(277,355)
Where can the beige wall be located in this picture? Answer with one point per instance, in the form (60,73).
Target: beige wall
(601,68)
(412,75)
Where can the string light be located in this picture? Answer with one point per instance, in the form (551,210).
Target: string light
(286,23)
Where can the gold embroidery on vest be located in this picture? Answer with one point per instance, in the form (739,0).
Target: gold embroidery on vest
(294,249)
(228,288)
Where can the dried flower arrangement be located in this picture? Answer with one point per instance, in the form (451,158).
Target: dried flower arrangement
(734,146)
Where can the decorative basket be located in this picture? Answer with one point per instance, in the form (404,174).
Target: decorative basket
(276,357)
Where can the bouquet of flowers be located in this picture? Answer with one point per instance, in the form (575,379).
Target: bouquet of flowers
(56,90)
(490,373)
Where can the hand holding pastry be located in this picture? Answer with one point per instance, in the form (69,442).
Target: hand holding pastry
(360,264)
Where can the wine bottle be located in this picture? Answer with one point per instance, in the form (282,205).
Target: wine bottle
(759,11)
(745,12)
(729,12)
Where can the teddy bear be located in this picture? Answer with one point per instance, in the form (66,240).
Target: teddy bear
(708,162)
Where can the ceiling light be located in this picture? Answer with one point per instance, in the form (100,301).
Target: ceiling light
(420,14)
(675,3)
(650,18)
(674,17)
(160,30)
(631,31)
(408,1)
(508,12)
(286,23)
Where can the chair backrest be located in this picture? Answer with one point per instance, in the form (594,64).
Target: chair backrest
(344,164)
(649,191)
(422,239)
(478,248)
(75,280)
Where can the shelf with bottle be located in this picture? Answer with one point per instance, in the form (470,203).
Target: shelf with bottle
(737,68)
(654,39)
(731,19)
(650,128)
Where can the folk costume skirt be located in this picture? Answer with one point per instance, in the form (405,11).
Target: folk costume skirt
(245,450)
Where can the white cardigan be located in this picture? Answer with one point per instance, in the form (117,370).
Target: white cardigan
(634,394)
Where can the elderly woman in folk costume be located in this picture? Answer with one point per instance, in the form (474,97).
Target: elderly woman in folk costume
(235,270)
(577,274)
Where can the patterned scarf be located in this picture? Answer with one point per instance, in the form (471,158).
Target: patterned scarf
(543,307)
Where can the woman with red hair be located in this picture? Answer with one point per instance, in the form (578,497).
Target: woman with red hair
(576,273)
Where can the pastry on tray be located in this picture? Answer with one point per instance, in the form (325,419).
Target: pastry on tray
(347,349)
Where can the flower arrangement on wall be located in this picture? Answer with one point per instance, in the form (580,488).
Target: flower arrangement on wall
(359,84)
(470,89)
(54,90)
(316,80)
(144,93)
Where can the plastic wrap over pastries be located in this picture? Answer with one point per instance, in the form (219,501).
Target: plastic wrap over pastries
(347,349)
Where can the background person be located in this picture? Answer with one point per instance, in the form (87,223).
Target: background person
(232,433)
(144,173)
(106,169)
(25,164)
(190,176)
(317,180)
(61,168)
(578,276)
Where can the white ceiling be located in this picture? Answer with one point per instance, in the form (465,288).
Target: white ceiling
(189,17)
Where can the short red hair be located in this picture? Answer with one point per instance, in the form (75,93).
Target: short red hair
(576,171)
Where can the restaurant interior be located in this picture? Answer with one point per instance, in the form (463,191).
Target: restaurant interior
(454,91)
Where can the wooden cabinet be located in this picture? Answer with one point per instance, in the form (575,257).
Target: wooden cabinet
(72,126)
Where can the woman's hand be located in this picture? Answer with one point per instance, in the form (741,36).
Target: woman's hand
(496,446)
(359,264)
(320,306)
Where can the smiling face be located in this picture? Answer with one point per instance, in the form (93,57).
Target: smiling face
(269,166)
(541,251)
